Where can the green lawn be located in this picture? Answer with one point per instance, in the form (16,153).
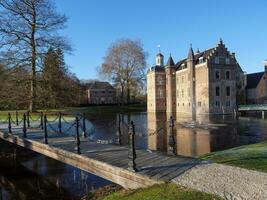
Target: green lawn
(109,108)
(161,192)
(249,156)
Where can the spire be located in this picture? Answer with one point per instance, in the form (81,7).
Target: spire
(191,53)
(170,62)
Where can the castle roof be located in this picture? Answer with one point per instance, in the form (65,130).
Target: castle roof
(253,80)
(99,85)
(203,54)
(170,62)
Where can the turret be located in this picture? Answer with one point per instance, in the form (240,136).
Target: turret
(159,60)
(170,88)
(191,68)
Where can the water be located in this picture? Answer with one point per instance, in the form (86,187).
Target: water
(30,175)
(207,134)
(33,176)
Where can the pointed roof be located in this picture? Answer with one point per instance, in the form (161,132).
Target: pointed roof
(253,80)
(170,62)
(191,54)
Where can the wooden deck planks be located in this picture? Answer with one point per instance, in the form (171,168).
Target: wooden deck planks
(153,165)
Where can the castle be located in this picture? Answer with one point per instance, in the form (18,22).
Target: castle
(208,82)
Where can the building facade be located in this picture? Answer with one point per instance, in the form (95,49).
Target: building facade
(208,82)
(100,93)
(256,87)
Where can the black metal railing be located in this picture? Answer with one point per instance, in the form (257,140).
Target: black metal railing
(48,124)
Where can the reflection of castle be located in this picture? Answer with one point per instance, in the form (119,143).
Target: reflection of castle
(191,141)
(205,82)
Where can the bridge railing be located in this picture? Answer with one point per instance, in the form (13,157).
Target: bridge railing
(77,123)
(252,107)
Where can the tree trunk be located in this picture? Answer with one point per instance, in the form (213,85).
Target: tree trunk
(32,106)
(128,92)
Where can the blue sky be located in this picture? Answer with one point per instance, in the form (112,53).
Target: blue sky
(94,24)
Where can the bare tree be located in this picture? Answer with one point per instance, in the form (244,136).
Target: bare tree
(125,64)
(27,29)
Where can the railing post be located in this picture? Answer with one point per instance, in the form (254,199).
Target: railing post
(172,143)
(28,119)
(78,136)
(59,123)
(42,121)
(119,131)
(45,130)
(132,152)
(24,126)
(17,118)
(84,126)
(9,123)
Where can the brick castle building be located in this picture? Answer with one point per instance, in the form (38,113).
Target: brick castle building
(208,82)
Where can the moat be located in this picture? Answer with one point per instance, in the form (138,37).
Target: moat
(32,176)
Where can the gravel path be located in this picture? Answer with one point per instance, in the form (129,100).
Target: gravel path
(231,183)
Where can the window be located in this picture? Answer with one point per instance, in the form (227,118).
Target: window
(217,91)
(217,103)
(182,93)
(228,91)
(182,79)
(217,60)
(217,75)
(103,92)
(227,61)
(227,75)
(228,103)
(199,104)
(201,60)
(160,94)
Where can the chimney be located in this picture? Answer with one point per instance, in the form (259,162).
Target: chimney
(265,65)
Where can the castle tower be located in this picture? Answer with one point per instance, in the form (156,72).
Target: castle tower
(159,60)
(170,87)
(156,86)
(192,79)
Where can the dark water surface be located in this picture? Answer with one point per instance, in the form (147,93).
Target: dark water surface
(33,176)
(207,134)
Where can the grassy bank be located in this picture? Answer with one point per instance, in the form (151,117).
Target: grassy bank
(249,156)
(159,192)
(109,108)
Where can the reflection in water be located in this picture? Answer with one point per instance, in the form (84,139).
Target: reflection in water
(207,134)
(33,176)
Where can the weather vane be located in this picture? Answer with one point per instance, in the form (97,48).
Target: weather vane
(159,47)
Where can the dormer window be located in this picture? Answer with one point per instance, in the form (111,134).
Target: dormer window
(201,60)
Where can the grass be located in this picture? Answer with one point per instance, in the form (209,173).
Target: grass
(252,156)
(160,192)
(109,108)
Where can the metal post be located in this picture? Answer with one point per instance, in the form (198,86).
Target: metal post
(119,131)
(9,123)
(78,136)
(17,118)
(84,126)
(28,119)
(262,114)
(45,130)
(42,121)
(24,126)
(132,152)
(59,123)
(172,144)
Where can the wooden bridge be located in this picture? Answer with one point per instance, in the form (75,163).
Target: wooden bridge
(109,161)
(253,108)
